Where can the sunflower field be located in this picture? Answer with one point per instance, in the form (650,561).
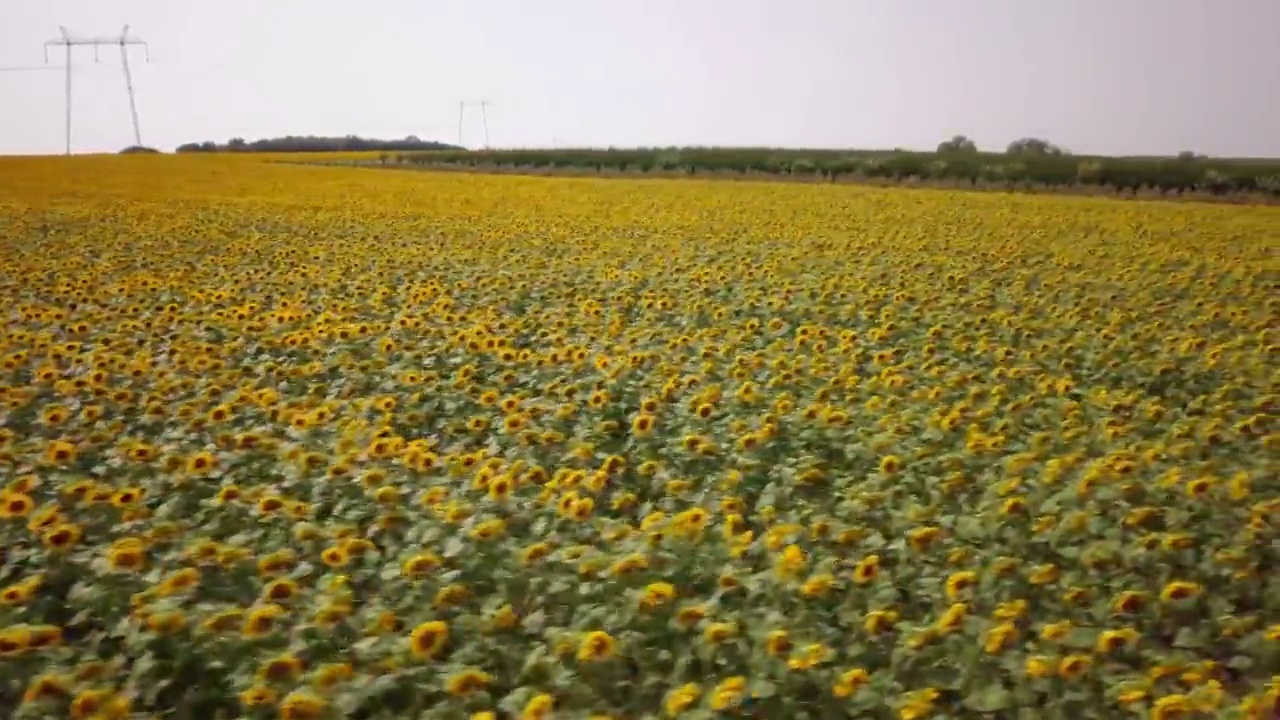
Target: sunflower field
(316,442)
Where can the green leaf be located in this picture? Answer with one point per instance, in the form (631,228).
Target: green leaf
(763,689)
(1080,638)
(1240,662)
(968,526)
(1188,638)
(993,698)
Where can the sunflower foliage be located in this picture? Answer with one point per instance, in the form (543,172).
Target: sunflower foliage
(315,442)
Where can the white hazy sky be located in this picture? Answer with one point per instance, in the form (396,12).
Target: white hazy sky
(1095,76)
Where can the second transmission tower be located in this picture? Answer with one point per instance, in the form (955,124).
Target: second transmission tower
(484,118)
(124,41)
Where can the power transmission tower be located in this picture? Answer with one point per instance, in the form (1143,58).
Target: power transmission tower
(123,40)
(484,118)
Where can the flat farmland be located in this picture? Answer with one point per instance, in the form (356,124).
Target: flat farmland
(317,442)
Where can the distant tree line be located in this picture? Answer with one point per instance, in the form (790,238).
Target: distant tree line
(313,143)
(1026,162)
(1036,147)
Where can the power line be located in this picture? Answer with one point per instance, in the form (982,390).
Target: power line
(123,40)
(168,69)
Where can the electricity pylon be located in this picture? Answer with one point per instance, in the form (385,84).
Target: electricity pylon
(484,118)
(123,40)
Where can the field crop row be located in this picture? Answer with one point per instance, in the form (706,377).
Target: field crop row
(313,442)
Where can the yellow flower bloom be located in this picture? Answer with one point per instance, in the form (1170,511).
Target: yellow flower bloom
(681,699)
(596,646)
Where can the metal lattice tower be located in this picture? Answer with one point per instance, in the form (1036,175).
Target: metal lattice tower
(124,41)
(484,118)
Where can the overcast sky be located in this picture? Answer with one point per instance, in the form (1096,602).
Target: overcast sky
(1095,76)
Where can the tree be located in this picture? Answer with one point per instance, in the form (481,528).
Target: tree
(1089,171)
(1033,146)
(1190,156)
(311,143)
(958,144)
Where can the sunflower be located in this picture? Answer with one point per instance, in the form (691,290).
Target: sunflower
(718,632)
(1072,667)
(281,668)
(428,639)
(690,615)
(849,681)
(329,675)
(15,640)
(539,707)
(201,463)
(60,452)
(999,637)
(280,591)
(277,563)
(655,594)
(890,464)
(61,536)
(222,622)
(1199,488)
(488,529)
(818,585)
(535,552)
(878,622)
(728,693)
(1043,574)
(1179,590)
(1171,707)
(959,582)
(681,699)
(335,556)
(47,687)
(257,696)
(99,704)
(228,493)
(421,565)
(691,521)
(596,646)
(1113,640)
(169,622)
(866,570)
(1039,666)
(302,705)
(918,704)
(261,620)
(504,618)
(15,505)
(777,643)
(126,556)
(54,415)
(467,681)
(922,537)
(790,562)
(500,488)
(1128,602)
(952,618)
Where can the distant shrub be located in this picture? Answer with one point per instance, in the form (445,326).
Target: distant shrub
(1031,162)
(1089,171)
(957,144)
